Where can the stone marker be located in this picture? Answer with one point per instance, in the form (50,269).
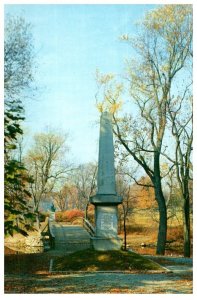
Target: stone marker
(106,199)
(52,216)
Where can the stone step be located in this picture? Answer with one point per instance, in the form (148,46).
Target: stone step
(73,241)
(59,241)
(72,236)
(72,233)
(68,227)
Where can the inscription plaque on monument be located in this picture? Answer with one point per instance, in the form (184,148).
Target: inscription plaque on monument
(107,221)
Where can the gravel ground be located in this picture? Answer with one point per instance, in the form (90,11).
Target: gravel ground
(179,281)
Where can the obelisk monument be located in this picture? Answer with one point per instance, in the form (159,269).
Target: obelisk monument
(106,199)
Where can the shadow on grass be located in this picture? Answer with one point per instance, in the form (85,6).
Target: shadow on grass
(84,260)
(33,263)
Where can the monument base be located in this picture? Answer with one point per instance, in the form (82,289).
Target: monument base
(105,244)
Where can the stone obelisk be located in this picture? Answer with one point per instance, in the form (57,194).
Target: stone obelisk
(106,199)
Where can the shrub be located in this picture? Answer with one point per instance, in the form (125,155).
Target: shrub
(60,216)
(68,215)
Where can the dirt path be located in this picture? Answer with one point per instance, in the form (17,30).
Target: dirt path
(179,281)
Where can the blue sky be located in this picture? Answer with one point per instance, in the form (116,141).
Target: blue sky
(71,41)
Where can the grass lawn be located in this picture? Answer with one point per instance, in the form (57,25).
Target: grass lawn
(91,260)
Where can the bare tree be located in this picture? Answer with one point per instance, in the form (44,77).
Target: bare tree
(19,57)
(124,190)
(61,198)
(67,197)
(162,46)
(84,178)
(46,165)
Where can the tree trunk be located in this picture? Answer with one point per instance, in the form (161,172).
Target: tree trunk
(186,226)
(124,228)
(120,223)
(37,221)
(162,233)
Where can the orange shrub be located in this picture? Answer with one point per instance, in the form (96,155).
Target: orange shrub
(73,214)
(68,215)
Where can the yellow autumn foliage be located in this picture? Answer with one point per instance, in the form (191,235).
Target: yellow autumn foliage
(110,92)
(100,106)
(115,107)
(169,16)
(107,106)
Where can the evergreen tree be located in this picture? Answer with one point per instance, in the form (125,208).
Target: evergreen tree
(17,78)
